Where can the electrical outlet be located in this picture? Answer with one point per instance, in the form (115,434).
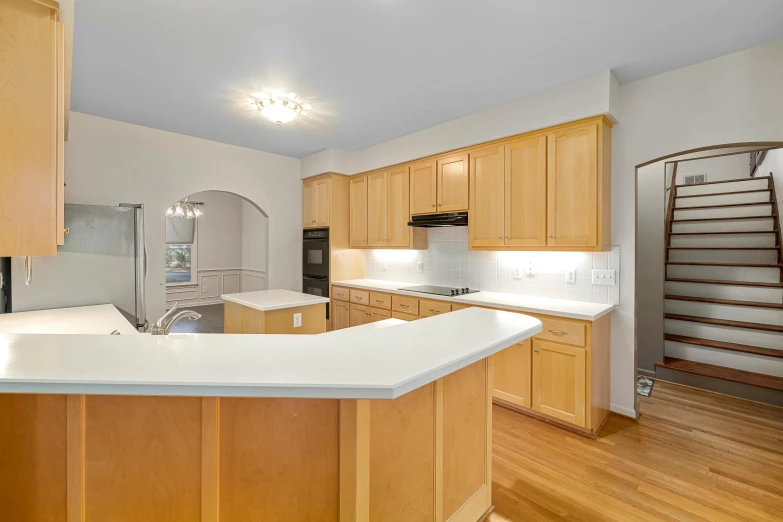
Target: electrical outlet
(530,270)
(297,320)
(604,277)
(383,265)
(570,276)
(420,266)
(517,273)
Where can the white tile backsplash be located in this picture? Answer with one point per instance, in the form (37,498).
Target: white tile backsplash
(448,262)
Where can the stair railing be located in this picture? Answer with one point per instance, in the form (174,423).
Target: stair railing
(670,209)
(756,159)
(776,215)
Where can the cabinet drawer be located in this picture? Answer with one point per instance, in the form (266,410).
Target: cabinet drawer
(407,305)
(430,308)
(341,294)
(379,314)
(361,297)
(380,300)
(404,317)
(564,332)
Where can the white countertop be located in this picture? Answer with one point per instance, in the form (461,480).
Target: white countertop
(515,302)
(368,364)
(98,319)
(266,300)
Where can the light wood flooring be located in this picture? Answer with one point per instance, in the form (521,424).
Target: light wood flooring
(211,321)
(692,455)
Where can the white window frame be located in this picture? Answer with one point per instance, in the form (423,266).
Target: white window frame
(193,260)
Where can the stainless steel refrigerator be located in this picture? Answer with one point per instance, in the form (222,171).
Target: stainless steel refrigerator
(103,261)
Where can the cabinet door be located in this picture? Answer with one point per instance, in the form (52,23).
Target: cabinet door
(526,192)
(360,315)
(486,223)
(453,183)
(513,374)
(423,187)
(377,209)
(559,381)
(398,231)
(28,129)
(341,317)
(378,314)
(321,197)
(404,317)
(572,177)
(308,204)
(358,225)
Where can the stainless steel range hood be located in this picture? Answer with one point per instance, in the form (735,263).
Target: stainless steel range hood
(453,219)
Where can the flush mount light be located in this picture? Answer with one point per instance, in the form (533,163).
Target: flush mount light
(185,209)
(280,109)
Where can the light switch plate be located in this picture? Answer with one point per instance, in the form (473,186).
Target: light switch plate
(604,277)
(530,270)
(517,273)
(383,265)
(420,266)
(570,276)
(297,320)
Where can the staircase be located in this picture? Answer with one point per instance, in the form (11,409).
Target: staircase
(724,289)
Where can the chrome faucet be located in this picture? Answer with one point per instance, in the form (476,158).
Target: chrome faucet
(163,325)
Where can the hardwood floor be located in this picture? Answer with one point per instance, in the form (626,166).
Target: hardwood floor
(692,455)
(211,321)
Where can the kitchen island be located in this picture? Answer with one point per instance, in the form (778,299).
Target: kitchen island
(274,312)
(388,423)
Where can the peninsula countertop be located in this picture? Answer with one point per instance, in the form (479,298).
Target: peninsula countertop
(97,319)
(267,300)
(374,364)
(515,302)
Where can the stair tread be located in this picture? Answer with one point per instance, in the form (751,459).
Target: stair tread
(725,206)
(725,322)
(744,348)
(719,219)
(724,193)
(715,300)
(747,265)
(726,181)
(725,282)
(721,372)
(723,248)
(731,232)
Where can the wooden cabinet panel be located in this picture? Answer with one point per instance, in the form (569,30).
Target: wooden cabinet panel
(358,214)
(378,314)
(308,204)
(60,181)
(566,332)
(341,294)
(405,304)
(572,177)
(380,300)
(525,192)
(403,316)
(361,297)
(559,381)
(429,308)
(377,209)
(513,374)
(423,186)
(453,183)
(398,233)
(341,315)
(29,134)
(360,314)
(487,221)
(321,196)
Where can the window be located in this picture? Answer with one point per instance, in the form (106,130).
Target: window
(179,265)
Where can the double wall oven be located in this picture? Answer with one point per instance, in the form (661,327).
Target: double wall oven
(315,263)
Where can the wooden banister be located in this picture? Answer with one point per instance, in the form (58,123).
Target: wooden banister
(776,215)
(670,209)
(756,159)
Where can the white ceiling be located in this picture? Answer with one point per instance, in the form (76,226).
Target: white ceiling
(376,69)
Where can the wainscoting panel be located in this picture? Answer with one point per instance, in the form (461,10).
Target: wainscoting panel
(212,283)
(253,280)
(231,283)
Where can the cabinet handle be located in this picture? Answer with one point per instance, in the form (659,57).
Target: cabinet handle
(404,305)
(535,350)
(506,237)
(440,204)
(28,270)
(433,204)
(558,332)
(500,237)
(551,237)
(359,299)
(379,300)
(434,311)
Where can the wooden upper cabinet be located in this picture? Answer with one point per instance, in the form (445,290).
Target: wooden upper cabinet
(559,388)
(525,192)
(32,102)
(358,211)
(573,185)
(322,203)
(453,183)
(377,209)
(308,204)
(423,187)
(398,188)
(486,222)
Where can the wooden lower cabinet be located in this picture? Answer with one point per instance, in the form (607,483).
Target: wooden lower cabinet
(513,374)
(559,381)
(240,319)
(341,315)
(360,315)
(404,317)
(378,314)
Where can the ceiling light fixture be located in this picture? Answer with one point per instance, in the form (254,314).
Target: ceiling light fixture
(280,109)
(185,209)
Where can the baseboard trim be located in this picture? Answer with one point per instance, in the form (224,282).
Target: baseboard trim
(622,410)
(646,373)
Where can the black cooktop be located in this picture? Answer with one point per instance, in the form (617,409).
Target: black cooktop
(438,290)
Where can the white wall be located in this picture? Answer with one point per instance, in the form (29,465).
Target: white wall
(721,168)
(773,163)
(327,160)
(732,99)
(108,162)
(219,230)
(254,236)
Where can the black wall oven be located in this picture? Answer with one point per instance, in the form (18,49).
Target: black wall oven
(315,263)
